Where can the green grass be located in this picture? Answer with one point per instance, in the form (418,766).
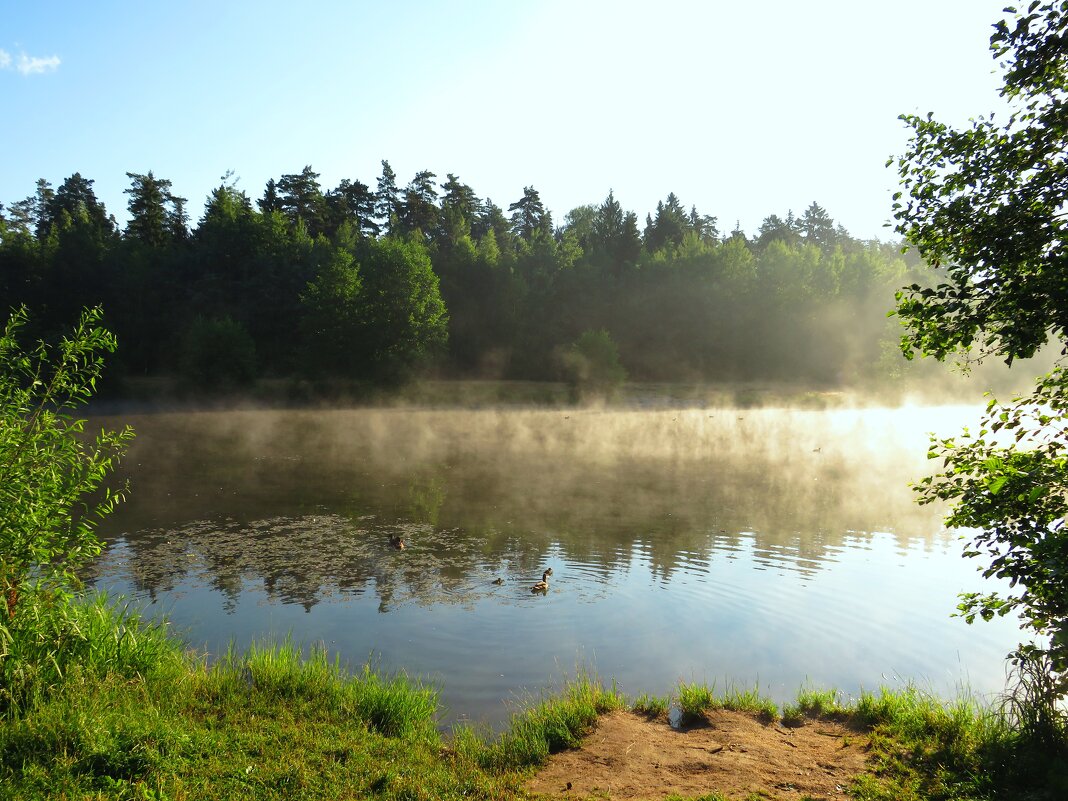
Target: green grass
(95,637)
(652,706)
(925,748)
(97,704)
(551,724)
(696,700)
(811,704)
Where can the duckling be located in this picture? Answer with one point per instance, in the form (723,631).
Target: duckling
(498,581)
(543,585)
(396,541)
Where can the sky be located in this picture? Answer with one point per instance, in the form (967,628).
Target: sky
(742,109)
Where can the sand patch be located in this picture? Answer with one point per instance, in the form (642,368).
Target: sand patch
(630,757)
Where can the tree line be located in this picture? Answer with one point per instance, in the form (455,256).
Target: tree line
(375,284)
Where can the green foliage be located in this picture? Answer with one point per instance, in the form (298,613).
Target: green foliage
(988,204)
(301,200)
(157,216)
(273,723)
(1009,485)
(331,316)
(404,318)
(278,721)
(217,355)
(591,365)
(51,472)
(392,706)
(682,302)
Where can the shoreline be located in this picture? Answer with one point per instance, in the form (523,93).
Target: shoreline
(135,715)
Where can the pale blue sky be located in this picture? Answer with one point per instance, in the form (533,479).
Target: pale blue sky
(742,108)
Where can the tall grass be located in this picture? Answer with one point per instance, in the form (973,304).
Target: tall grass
(550,725)
(84,683)
(695,700)
(1033,705)
(394,706)
(813,703)
(51,636)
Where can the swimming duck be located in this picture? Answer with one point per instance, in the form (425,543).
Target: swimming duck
(396,541)
(543,585)
(498,581)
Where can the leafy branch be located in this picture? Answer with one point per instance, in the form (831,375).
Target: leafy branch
(51,471)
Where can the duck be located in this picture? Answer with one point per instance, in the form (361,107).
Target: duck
(543,585)
(498,581)
(396,541)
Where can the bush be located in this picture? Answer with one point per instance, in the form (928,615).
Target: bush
(51,479)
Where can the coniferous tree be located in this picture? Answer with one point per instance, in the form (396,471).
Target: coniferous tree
(354,202)
(704,225)
(154,211)
(33,214)
(608,227)
(301,198)
(419,211)
(817,227)
(775,229)
(669,226)
(270,200)
(459,197)
(388,200)
(75,194)
(529,215)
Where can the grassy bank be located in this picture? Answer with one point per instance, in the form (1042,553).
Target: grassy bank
(96,704)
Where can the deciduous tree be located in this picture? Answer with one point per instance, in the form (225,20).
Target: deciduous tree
(986,204)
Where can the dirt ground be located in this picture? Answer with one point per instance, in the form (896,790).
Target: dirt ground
(630,757)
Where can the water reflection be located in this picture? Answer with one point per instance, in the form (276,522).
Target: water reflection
(699,538)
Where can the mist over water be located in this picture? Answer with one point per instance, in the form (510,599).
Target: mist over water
(776,546)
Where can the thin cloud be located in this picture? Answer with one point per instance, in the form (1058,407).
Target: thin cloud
(29,65)
(35,65)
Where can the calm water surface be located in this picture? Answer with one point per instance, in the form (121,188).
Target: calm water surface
(769,546)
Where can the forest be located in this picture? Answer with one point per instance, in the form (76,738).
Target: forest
(382,284)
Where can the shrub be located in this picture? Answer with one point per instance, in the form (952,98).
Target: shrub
(51,482)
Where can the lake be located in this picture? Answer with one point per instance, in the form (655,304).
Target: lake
(768,547)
